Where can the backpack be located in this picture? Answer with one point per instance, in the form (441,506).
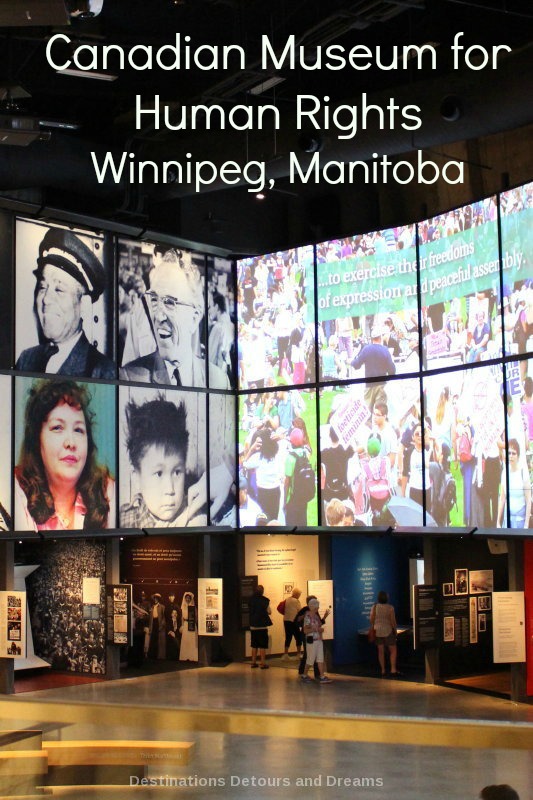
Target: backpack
(448,493)
(281,607)
(303,478)
(464,448)
(377,483)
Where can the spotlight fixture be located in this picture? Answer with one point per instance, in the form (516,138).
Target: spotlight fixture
(84,9)
(310,143)
(451,109)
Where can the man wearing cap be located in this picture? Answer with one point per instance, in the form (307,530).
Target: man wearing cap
(176,305)
(377,361)
(66,271)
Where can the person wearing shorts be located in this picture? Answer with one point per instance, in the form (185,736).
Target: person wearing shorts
(383,619)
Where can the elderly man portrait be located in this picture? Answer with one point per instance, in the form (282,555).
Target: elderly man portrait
(176,306)
(67,271)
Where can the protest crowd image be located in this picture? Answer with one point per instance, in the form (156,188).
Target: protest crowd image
(443,447)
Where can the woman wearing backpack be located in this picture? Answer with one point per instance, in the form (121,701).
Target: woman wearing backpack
(299,480)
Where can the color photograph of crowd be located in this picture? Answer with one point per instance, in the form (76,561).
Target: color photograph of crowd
(367,305)
(383,460)
(277,458)
(463,309)
(276,329)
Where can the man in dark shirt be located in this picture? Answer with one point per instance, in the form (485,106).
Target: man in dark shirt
(377,361)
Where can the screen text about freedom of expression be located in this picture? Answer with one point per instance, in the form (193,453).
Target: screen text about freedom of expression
(312,112)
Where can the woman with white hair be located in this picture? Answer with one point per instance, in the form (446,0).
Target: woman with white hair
(313,629)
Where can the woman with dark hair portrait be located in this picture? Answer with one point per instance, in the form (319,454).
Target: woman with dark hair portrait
(59,484)
(157,441)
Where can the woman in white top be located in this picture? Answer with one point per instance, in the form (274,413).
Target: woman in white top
(519,490)
(263,457)
(383,620)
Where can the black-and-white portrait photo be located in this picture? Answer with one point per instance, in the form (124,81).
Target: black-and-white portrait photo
(484,603)
(63,280)
(162,316)
(5,445)
(221,329)
(162,458)
(222,467)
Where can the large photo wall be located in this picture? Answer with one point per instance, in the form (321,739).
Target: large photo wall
(91,311)
(420,339)
(375,379)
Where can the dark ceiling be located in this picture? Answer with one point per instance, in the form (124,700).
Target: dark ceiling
(59,172)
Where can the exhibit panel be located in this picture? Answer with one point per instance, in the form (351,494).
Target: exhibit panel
(162,455)
(276,318)
(162,313)
(280,563)
(371,454)
(65,455)
(66,603)
(460,285)
(467,575)
(64,301)
(363,566)
(277,458)
(163,571)
(367,304)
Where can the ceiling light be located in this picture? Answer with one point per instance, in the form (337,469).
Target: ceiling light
(260,196)
(265,85)
(94,74)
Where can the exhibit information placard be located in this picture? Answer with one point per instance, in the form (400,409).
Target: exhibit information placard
(119,611)
(509,628)
(210,606)
(426,630)
(13,624)
(247,586)
(323,591)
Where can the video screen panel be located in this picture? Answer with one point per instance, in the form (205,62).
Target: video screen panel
(222,460)
(367,305)
(460,286)
(464,431)
(64,301)
(278,458)
(516,213)
(7,276)
(519,384)
(162,330)
(221,323)
(162,456)
(371,454)
(65,456)
(276,318)
(5,445)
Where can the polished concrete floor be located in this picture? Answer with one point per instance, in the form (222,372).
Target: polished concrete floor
(262,734)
